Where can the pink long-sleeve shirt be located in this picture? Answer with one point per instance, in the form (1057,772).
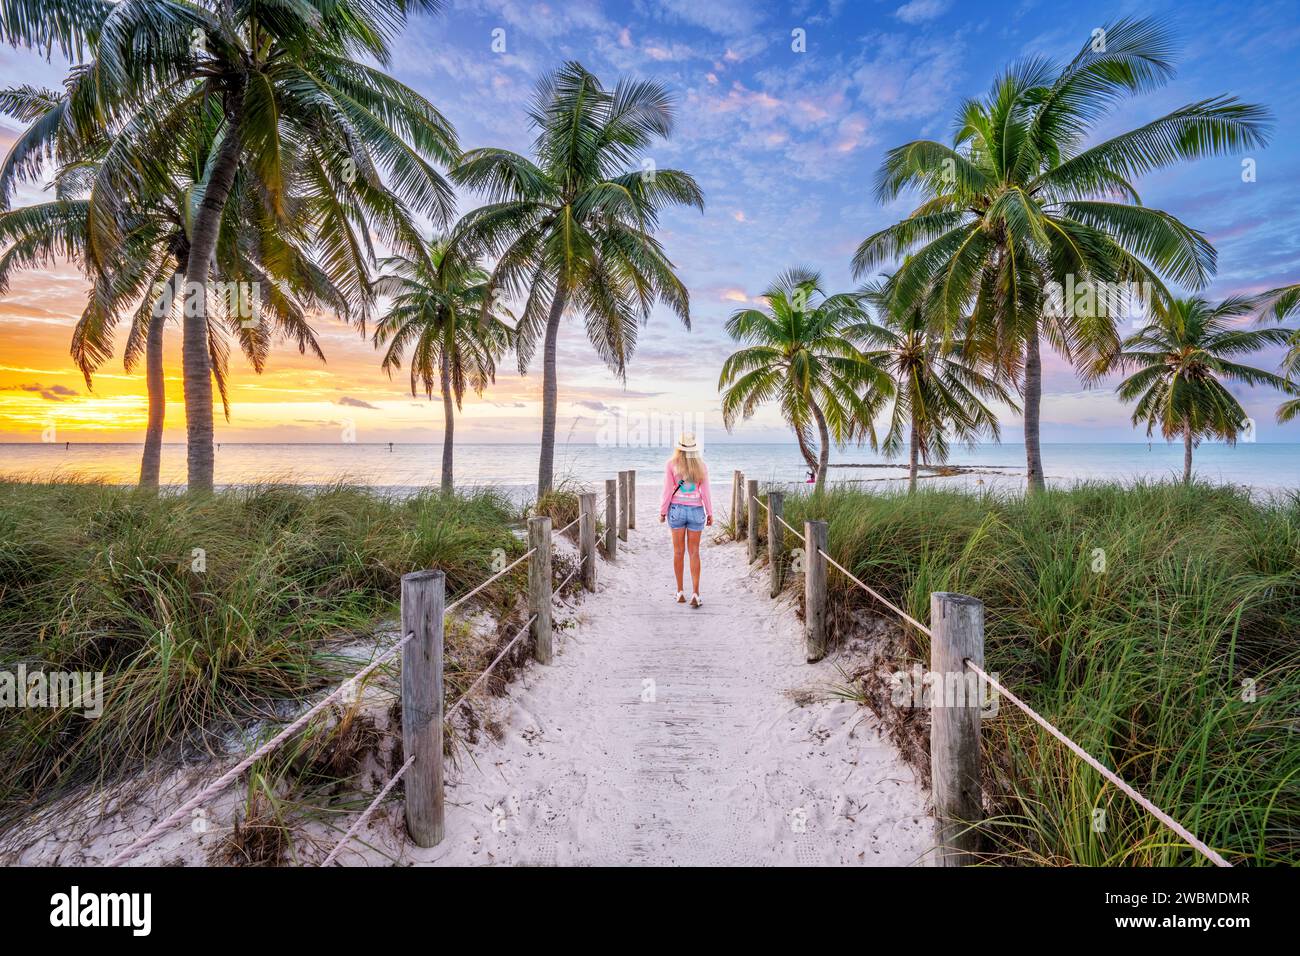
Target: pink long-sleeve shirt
(690,494)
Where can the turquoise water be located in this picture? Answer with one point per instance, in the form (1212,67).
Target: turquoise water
(1264,466)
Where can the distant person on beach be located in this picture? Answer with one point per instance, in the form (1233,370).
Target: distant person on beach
(687,508)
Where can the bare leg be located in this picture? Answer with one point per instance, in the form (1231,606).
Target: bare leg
(693,546)
(679,553)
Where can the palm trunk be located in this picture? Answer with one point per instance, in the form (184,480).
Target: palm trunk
(1187,456)
(546,465)
(807,453)
(913,454)
(824,453)
(1033,403)
(151,460)
(448,423)
(194,352)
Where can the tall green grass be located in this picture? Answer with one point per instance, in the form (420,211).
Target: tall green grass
(1136,619)
(207,613)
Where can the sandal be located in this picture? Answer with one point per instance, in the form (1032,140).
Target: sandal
(681,598)
(697,601)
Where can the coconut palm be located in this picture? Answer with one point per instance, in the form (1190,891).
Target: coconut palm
(801,355)
(939,390)
(443,316)
(142,284)
(1183,358)
(1018,206)
(1279,304)
(574,228)
(300,118)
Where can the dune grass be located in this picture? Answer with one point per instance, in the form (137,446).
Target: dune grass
(208,613)
(1157,625)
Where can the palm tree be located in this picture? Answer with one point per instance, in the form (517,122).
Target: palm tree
(1017,206)
(142,282)
(1183,357)
(938,389)
(575,229)
(300,118)
(801,354)
(1279,304)
(442,314)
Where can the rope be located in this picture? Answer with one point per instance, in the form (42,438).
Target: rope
(233,773)
(569,525)
(792,529)
(566,580)
(461,600)
(1091,761)
(1082,754)
(361,820)
(870,590)
(877,595)
(487,670)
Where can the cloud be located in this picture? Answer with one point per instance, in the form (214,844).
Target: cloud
(51,393)
(726,18)
(918,11)
(907,79)
(356,403)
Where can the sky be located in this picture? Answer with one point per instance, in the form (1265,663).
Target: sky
(784,112)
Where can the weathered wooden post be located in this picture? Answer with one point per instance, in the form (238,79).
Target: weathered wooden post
(423,600)
(611,521)
(814,589)
(539,586)
(631,499)
(775,539)
(737,496)
(587,538)
(751,517)
(957,626)
(622,506)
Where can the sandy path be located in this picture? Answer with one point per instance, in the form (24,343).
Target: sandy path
(666,735)
(660,735)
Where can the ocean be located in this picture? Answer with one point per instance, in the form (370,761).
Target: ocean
(1265,467)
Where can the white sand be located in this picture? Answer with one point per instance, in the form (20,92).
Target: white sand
(661,735)
(720,767)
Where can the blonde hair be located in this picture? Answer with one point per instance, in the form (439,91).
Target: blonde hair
(689,467)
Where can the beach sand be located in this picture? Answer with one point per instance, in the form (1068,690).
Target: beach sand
(661,735)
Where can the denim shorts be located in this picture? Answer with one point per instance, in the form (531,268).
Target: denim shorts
(690,517)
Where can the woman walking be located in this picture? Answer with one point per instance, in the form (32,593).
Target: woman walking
(687,508)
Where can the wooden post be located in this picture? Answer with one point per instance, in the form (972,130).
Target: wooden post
(611,522)
(587,538)
(957,623)
(814,589)
(631,499)
(423,600)
(737,516)
(751,517)
(539,586)
(622,506)
(775,540)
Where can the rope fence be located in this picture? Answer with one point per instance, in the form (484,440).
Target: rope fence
(956,646)
(423,613)
(229,777)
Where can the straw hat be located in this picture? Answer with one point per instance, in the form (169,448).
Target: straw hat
(687,444)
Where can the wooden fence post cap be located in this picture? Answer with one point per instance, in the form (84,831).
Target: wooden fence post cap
(414,576)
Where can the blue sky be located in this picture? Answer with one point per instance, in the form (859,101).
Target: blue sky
(785,145)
